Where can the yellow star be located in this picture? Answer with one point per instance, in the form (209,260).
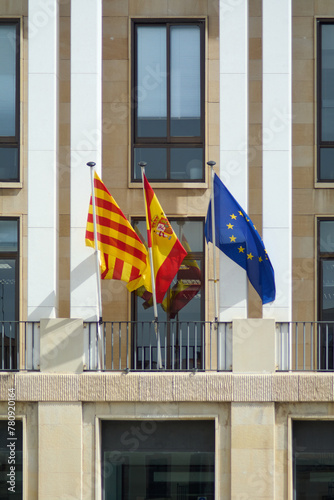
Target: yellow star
(233,216)
(229,226)
(250,256)
(241,249)
(240,213)
(260,259)
(232,238)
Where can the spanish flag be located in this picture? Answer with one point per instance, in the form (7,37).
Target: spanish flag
(167,251)
(189,283)
(122,255)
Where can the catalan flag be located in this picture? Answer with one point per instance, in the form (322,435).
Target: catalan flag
(238,238)
(167,251)
(122,255)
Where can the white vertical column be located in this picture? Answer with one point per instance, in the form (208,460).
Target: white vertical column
(86,145)
(233,34)
(277,151)
(42,159)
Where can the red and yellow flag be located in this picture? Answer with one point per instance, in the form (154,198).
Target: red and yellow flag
(167,251)
(122,255)
(189,282)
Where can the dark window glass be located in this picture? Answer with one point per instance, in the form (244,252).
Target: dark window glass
(11,456)
(9,335)
(158,460)
(156,158)
(326,167)
(181,343)
(9,100)
(168,83)
(326,293)
(313,460)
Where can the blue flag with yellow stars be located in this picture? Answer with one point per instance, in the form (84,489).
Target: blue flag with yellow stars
(238,238)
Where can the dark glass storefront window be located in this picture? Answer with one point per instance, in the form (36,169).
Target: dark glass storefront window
(313,460)
(158,460)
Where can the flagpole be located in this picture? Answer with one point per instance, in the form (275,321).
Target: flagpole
(215,282)
(142,165)
(91,165)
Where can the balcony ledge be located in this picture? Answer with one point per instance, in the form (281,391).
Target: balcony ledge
(211,387)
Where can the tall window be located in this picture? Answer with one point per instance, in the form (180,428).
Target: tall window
(9,99)
(168,98)
(313,460)
(9,269)
(158,460)
(326,292)
(181,342)
(11,461)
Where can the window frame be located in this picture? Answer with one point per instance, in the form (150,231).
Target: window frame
(194,256)
(167,142)
(173,325)
(321,257)
(325,331)
(14,141)
(293,421)
(147,427)
(321,145)
(13,360)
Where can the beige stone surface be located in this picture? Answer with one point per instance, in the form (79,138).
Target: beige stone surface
(316,387)
(253,346)
(61,345)
(145,387)
(252,450)
(59,450)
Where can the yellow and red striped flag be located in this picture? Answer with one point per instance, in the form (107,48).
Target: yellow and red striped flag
(122,255)
(167,251)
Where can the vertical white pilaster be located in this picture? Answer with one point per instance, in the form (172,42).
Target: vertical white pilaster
(86,145)
(277,150)
(233,35)
(43,18)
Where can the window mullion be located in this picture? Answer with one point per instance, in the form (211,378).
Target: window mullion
(168,66)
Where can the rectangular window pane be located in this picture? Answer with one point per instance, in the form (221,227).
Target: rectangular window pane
(151,84)
(10,448)
(173,460)
(7,290)
(186,163)
(7,80)
(313,460)
(8,235)
(327,313)
(326,236)
(185,81)
(9,164)
(326,163)
(156,159)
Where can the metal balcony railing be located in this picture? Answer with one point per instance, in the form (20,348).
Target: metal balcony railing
(305,346)
(19,345)
(184,346)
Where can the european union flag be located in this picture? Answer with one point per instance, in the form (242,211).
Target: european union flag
(238,238)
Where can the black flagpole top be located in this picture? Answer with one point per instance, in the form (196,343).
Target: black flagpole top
(142,163)
(91,164)
(211,163)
